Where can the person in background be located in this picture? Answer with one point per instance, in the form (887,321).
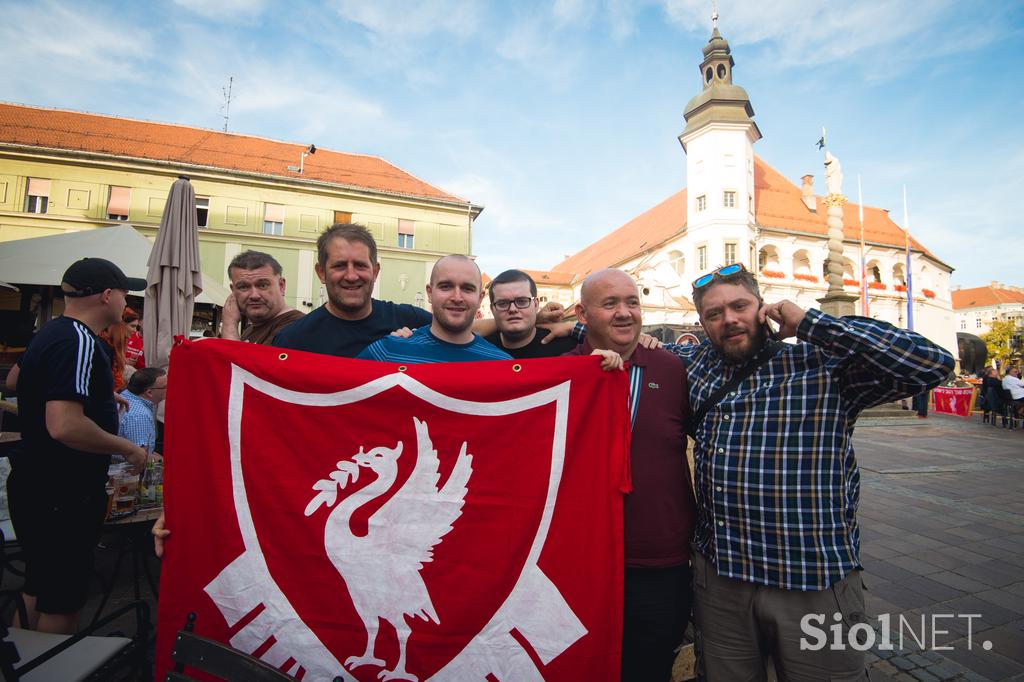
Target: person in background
(992,395)
(146,389)
(114,338)
(133,355)
(1013,383)
(69,425)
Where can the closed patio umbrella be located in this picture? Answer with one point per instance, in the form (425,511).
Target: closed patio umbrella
(174,279)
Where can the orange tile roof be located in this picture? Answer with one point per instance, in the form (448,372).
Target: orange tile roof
(779,204)
(982,297)
(124,137)
(551,277)
(646,231)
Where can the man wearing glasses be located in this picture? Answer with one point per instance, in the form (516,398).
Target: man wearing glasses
(514,305)
(146,389)
(776,479)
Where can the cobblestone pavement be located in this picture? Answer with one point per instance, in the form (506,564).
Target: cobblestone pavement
(942,543)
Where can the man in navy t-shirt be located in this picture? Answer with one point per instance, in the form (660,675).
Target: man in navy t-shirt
(455,292)
(351,319)
(69,430)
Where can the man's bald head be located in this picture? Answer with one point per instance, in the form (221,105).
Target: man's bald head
(597,280)
(610,307)
(455,257)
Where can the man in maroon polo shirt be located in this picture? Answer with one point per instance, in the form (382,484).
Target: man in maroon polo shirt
(659,513)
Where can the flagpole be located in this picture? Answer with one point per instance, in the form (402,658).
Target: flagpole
(910,287)
(864,309)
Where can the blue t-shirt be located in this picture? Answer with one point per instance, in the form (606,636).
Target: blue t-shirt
(65,361)
(322,332)
(423,347)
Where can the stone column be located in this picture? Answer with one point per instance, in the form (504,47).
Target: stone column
(836,301)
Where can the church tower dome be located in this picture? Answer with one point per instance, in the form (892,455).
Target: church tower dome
(718,141)
(720,99)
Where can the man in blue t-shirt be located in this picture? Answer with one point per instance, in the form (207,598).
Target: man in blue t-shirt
(69,430)
(351,319)
(455,293)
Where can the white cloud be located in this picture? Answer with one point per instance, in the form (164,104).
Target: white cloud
(399,19)
(572,12)
(75,41)
(891,32)
(225,10)
(299,99)
(515,230)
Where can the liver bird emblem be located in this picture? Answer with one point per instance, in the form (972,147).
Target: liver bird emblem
(382,568)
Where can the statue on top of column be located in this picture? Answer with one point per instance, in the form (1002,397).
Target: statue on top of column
(833,174)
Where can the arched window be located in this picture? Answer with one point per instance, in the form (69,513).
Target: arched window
(677,261)
(898,276)
(801,263)
(768,259)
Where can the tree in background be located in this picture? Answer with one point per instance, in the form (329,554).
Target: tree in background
(1000,341)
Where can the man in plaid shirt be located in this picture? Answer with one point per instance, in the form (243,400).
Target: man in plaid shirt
(776,479)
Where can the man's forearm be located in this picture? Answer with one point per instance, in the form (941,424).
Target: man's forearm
(484,326)
(81,433)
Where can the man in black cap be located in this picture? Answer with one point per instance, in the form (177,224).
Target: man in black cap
(69,430)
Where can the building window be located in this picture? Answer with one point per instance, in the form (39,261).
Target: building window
(273,219)
(677,262)
(702,202)
(963,325)
(729,200)
(406,231)
(117,204)
(977,323)
(37,198)
(702,258)
(203,211)
(342,217)
(730,252)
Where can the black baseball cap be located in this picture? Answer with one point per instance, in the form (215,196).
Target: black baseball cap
(91,276)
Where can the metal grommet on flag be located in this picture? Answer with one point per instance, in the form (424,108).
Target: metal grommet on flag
(402,368)
(517,367)
(282,356)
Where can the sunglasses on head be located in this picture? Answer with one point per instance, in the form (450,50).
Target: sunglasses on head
(723,271)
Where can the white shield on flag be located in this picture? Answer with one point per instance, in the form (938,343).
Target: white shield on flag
(394,511)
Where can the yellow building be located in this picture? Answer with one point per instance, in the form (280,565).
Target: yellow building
(64,171)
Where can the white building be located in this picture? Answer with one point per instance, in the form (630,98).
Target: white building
(977,308)
(738,208)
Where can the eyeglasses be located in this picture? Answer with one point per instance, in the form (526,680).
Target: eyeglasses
(723,271)
(505,303)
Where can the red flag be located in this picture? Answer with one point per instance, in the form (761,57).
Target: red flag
(954,400)
(465,520)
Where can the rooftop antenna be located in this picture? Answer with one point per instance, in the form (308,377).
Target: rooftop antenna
(226,107)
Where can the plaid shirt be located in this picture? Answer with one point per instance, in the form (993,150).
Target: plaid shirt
(138,424)
(777,482)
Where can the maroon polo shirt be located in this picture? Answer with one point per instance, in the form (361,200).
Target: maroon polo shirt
(659,514)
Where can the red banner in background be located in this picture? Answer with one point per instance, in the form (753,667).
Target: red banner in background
(956,401)
(343,517)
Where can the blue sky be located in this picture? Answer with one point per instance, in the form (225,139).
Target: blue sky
(561,117)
